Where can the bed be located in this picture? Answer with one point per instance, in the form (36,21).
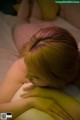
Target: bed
(9,53)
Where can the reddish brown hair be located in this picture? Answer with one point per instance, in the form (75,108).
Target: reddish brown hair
(53,48)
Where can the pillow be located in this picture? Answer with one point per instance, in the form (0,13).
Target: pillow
(71,12)
(48,9)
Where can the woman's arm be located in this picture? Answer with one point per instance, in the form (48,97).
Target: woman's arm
(22,105)
(71,106)
(23,12)
(16,107)
(13,80)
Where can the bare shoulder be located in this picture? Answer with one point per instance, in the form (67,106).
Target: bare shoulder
(16,74)
(19,70)
(14,79)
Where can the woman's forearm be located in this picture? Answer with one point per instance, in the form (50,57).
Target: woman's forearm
(16,107)
(23,11)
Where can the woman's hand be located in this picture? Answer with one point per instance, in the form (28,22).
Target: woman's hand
(43,102)
(37,92)
(50,107)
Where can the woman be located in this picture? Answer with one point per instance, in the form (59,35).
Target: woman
(52,61)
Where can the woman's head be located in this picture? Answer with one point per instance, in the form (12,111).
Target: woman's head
(51,57)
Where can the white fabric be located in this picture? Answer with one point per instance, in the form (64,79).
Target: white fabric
(8,50)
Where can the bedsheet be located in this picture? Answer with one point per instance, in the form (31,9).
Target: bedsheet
(8,50)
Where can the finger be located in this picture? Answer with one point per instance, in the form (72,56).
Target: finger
(28,93)
(60,114)
(54,115)
(28,87)
(23,95)
(59,111)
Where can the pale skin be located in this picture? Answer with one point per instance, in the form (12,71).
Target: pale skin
(24,10)
(36,97)
(13,80)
